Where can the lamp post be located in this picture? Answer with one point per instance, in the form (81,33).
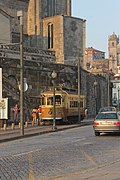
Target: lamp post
(20,17)
(108,85)
(54,75)
(79,117)
(118,97)
(95,93)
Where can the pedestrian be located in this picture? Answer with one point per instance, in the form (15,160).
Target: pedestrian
(34,114)
(39,113)
(16,111)
(86,113)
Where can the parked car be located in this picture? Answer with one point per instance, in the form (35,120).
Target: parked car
(105,109)
(107,122)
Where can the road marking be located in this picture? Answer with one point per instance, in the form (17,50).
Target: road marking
(88,143)
(84,171)
(26,153)
(90,159)
(77,140)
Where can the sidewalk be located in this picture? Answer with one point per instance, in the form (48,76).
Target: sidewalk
(9,134)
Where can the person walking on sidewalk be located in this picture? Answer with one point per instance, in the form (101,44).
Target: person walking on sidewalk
(39,114)
(86,113)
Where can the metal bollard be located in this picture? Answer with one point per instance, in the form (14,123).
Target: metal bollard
(32,123)
(5,126)
(26,124)
(38,122)
(13,126)
(19,125)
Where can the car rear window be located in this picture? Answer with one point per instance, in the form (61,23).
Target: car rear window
(105,109)
(107,116)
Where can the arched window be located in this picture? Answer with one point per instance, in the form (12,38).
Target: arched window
(50,36)
(113,44)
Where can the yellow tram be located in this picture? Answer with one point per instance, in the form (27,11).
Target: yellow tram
(66,104)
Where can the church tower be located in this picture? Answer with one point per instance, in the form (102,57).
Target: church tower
(113,42)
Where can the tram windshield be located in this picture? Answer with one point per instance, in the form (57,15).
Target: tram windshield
(57,100)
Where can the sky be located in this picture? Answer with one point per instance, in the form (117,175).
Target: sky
(102,19)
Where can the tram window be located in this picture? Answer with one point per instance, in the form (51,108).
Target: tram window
(50,101)
(71,104)
(81,103)
(43,101)
(75,104)
(58,99)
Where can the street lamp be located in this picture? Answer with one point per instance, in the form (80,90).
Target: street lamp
(20,17)
(79,116)
(108,85)
(118,97)
(54,75)
(95,93)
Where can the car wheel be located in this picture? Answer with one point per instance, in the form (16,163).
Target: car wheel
(97,133)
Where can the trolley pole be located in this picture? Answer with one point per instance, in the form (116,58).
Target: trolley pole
(20,16)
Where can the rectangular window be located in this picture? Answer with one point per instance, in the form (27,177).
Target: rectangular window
(73,104)
(81,104)
(50,36)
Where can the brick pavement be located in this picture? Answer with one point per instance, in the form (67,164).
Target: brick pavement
(10,134)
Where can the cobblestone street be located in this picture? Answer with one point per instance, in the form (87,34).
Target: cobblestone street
(58,155)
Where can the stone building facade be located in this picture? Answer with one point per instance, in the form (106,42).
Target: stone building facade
(91,55)
(66,43)
(46,22)
(48,26)
(9,20)
(39,9)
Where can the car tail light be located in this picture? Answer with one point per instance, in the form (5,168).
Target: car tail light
(117,123)
(96,123)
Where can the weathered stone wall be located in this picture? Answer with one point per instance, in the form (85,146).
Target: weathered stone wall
(58,36)
(38,79)
(73,39)
(52,8)
(63,7)
(93,101)
(34,13)
(39,9)
(10,8)
(68,38)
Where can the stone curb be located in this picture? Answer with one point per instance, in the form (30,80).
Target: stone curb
(16,137)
